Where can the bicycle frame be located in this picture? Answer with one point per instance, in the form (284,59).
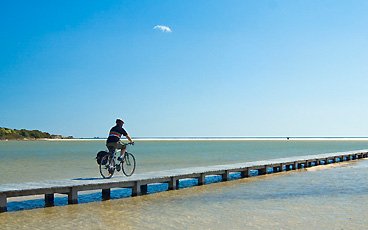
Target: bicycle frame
(126,164)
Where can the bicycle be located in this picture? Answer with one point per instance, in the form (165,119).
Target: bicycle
(109,164)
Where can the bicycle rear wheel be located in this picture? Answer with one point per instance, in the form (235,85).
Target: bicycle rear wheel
(128,164)
(107,167)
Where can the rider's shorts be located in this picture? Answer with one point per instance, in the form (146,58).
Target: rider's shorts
(114,145)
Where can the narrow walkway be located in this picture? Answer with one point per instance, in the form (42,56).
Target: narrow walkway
(139,182)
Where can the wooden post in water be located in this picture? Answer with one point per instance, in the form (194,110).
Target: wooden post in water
(106,194)
(3,203)
(140,184)
(244,173)
(136,190)
(49,200)
(144,189)
(73,196)
(177,183)
(172,183)
(139,189)
(202,179)
(262,171)
(225,176)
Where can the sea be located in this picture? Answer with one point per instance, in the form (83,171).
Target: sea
(334,196)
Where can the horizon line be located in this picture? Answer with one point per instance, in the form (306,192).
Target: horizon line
(227,137)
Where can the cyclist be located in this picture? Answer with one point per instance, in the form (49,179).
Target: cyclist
(113,141)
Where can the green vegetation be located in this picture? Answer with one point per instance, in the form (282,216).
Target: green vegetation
(14,134)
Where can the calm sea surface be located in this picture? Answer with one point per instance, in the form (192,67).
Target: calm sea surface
(328,197)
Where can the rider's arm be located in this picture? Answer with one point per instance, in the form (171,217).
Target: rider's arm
(129,138)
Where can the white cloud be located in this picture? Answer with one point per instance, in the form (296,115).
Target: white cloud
(162,28)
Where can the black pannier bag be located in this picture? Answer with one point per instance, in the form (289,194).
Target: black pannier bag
(100,155)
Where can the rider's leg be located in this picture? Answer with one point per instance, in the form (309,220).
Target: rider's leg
(111,147)
(122,148)
(122,152)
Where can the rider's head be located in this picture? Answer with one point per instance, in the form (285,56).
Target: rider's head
(119,122)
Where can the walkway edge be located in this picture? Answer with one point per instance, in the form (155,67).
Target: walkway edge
(139,182)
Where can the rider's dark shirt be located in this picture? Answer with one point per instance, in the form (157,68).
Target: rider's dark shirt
(115,134)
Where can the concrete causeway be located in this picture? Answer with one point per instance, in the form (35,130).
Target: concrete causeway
(139,182)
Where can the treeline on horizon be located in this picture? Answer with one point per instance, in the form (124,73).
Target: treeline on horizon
(14,134)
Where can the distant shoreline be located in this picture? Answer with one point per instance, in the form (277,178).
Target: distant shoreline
(36,139)
(139,139)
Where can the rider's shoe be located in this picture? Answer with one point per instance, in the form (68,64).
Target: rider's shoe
(120,158)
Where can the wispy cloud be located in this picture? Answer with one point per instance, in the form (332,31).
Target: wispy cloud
(162,28)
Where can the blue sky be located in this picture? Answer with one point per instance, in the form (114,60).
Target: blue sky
(227,68)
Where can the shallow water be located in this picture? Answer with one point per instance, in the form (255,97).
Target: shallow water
(323,197)
(22,161)
(330,198)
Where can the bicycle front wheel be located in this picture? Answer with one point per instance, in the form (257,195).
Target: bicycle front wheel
(128,164)
(107,167)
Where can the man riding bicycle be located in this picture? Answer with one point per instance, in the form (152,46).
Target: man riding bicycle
(113,141)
